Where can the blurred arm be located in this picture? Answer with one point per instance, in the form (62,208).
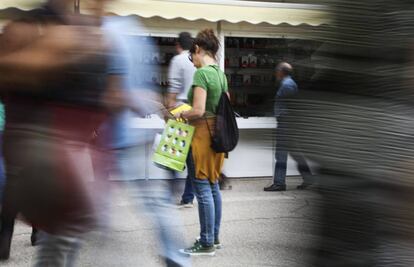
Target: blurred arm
(286,90)
(36,53)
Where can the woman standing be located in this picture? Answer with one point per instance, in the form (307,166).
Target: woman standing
(208,85)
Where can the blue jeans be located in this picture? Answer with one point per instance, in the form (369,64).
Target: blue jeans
(209,207)
(286,144)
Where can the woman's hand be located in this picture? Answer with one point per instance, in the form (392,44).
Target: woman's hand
(178,116)
(168,117)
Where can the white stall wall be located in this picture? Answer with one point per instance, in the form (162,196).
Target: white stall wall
(253,157)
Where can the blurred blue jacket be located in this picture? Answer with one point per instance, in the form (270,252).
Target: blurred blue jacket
(126,60)
(287,89)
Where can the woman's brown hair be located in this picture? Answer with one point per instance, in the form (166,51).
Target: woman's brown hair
(208,41)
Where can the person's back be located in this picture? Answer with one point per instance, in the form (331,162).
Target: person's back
(181,71)
(287,89)
(214,81)
(186,72)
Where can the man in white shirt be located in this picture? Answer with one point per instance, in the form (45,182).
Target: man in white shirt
(181,71)
(180,78)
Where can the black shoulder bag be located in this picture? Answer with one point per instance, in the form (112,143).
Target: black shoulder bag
(226,132)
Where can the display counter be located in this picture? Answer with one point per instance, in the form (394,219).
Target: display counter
(253,156)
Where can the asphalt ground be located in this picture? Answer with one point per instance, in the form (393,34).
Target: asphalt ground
(258,229)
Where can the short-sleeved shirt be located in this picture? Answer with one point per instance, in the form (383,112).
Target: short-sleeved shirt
(212,79)
(180,75)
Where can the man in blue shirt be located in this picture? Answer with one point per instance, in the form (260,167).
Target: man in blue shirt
(284,142)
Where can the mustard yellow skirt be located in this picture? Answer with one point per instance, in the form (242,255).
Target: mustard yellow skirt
(208,163)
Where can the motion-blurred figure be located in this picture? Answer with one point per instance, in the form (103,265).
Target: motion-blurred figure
(180,78)
(2,172)
(357,124)
(121,143)
(52,114)
(285,140)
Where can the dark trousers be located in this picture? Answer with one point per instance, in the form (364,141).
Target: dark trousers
(287,144)
(188,195)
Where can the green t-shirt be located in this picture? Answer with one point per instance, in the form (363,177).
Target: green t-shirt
(212,79)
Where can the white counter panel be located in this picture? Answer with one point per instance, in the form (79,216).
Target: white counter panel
(253,157)
(155,122)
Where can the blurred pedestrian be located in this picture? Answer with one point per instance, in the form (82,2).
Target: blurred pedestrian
(285,140)
(180,79)
(356,123)
(205,164)
(2,172)
(121,143)
(52,115)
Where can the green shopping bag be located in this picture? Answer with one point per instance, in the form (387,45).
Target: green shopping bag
(174,145)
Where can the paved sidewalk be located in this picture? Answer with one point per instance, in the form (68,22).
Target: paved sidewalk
(259,229)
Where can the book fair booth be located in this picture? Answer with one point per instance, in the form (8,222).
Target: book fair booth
(255,36)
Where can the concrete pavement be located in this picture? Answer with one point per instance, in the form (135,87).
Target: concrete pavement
(259,229)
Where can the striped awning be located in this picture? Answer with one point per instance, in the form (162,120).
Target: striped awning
(227,10)
(20,4)
(232,11)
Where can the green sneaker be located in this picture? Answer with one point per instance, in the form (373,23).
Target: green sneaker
(199,250)
(217,243)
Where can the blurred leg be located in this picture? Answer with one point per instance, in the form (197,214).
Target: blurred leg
(8,215)
(57,251)
(158,202)
(348,226)
(303,166)
(35,237)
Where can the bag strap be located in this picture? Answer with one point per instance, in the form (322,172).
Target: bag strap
(222,91)
(219,78)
